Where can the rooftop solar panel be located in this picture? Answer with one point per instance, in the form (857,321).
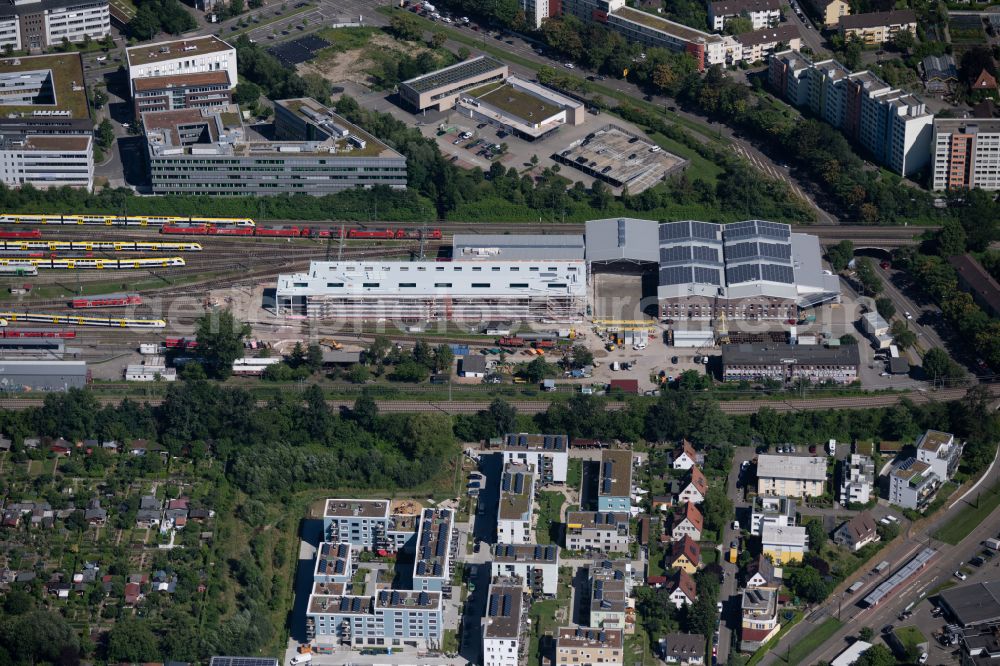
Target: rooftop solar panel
(775,250)
(675,275)
(707,276)
(777,273)
(673,254)
(704,230)
(674,231)
(453,74)
(705,253)
(742,273)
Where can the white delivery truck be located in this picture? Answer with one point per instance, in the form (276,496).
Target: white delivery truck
(992,544)
(300,659)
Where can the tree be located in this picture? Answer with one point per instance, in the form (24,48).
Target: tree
(132,641)
(503,416)
(405,27)
(220,341)
(537,370)
(951,239)
(247,93)
(884,306)
(738,25)
(903,40)
(876,655)
(581,356)
(848,339)
(365,411)
(105,134)
(443,358)
(438,39)
(314,358)
(806,582)
(39,636)
(100,98)
(817,535)
(410,371)
(840,255)
(871,284)
(902,335)
(702,616)
(463,53)
(866,634)
(718,509)
(378,350)
(358,374)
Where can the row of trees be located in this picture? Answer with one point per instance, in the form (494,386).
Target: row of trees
(155,16)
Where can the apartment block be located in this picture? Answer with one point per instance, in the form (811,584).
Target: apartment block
(610,588)
(505,615)
(433,564)
(517,494)
(614,492)
(46,132)
(830,11)
(857,479)
(791,476)
(893,126)
(771,510)
(912,484)
(31,25)
(536,11)
(391,618)
(589,645)
(965,154)
(183,91)
(877,28)
(762,13)
(759,44)
(333,563)
(181,57)
(940,451)
(371,524)
(759,617)
(537,566)
(548,453)
(589,530)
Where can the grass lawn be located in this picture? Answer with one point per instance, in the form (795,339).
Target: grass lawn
(346,39)
(709,555)
(785,628)
(547,527)
(449,643)
(637,650)
(969,518)
(817,637)
(910,637)
(546,617)
(655,561)
(574,473)
(699,167)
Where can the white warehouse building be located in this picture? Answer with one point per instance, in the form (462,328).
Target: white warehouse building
(372,289)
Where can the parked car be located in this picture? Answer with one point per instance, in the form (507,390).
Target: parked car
(959,575)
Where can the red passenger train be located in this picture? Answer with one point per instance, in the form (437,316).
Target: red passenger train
(108,301)
(36,333)
(34,233)
(297,232)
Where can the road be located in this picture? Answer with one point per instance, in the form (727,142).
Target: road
(949,559)
(927,337)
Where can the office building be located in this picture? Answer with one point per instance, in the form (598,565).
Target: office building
(965,154)
(590,531)
(791,476)
(610,588)
(877,28)
(771,510)
(977,281)
(614,492)
(517,495)
(762,13)
(371,524)
(759,618)
(589,645)
(857,532)
(537,566)
(912,484)
(46,132)
(787,363)
(432,565)
(940,451)
(523,108)
(181,91)
(502,625)
(894,127)
(857,479)
(481,291)
(548,454)
(439,90)
(31,25)
(748,270)
(784,544)
(209,151)
(181,58)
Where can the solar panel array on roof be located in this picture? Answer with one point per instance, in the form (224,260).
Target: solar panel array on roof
(453,74)
(751,228)
(704,275)
(705,253)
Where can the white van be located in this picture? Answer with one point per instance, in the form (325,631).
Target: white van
(299,659)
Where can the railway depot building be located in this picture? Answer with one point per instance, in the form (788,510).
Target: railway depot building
(210,151)
(46,131)
(753,270)
(368,289)
(786,363)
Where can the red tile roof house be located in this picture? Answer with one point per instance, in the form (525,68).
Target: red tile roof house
(133,593)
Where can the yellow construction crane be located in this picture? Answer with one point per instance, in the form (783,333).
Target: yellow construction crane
(722,331)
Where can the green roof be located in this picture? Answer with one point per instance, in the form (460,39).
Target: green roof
(514,102)
(67,82)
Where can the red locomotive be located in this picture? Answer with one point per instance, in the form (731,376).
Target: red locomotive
(34,233)
(180,343)
(510,342)
(109,301)
(37,333)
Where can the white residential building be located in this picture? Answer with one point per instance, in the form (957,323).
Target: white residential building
(610,590)
(791,476)
(857,479)
(784,544)
(502,623)
(589,645)
(548,453)
(517,493)
(685,457)
(537,566)
(940,451)
(912,483)
(762,13)
(589,530)
(771,510)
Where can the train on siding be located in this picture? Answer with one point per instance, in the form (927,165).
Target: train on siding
(92,263)
(106,301)
(37,333)
(82,320)
(32,233)
(299,232)
(116,246)
(123,220)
